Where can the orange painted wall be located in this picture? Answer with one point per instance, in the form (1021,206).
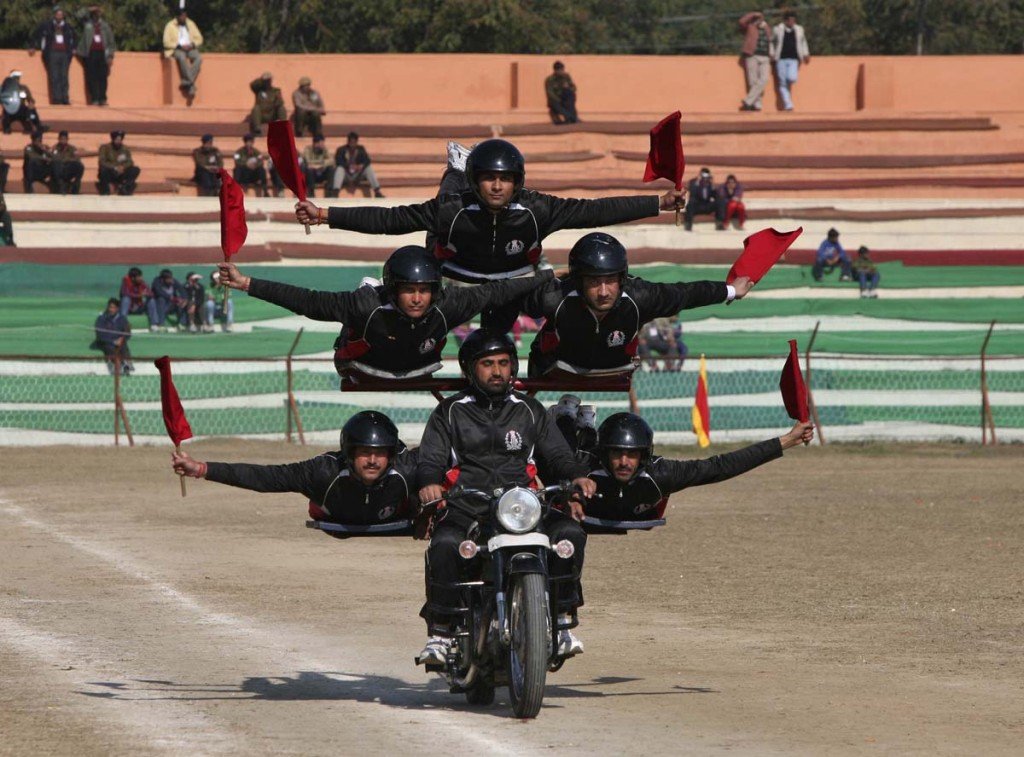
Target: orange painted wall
(490,84)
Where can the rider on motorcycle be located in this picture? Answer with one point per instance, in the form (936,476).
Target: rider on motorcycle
(397,329)
(634,485)
(595,313)
(369,481)
(485,437)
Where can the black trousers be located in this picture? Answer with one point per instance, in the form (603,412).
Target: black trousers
(208,183)
(123,182)
(96,73)
(36,170)
(5,167)
(28,117)
(696,207)
(67,176)
(57,62)
(446,566)
(251,177)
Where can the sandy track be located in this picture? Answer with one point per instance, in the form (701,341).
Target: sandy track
(837,601)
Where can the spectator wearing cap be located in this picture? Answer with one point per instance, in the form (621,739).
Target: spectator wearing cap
(831,254)
(702,199)
(195,301)
(269,105)
(219,305)
(26,113)
(112,334)
(318,165)
(117,168)
(309,108)
(6,225)
(561,94)
(867,274)
(208,162)
(353,167)
(169,295)
(182,40)
(250,166)
(67,166)
(56,39)
(37,164)
(96,48)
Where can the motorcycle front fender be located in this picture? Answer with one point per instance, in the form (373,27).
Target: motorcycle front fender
(526,562)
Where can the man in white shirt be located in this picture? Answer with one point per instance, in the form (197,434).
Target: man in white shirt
(181,41)
(788,50)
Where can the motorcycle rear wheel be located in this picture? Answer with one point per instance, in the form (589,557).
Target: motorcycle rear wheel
(528,648)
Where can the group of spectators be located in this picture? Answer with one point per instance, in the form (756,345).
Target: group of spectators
(724,201)
(831,255)
(785,45)
(60,168)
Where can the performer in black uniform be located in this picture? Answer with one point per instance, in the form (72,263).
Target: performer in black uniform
(632,484)
(594,314)
(396,330)
(481,438)
(495,230)
(369,481)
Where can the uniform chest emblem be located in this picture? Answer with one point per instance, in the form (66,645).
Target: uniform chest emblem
(616,339)
(427,346)
(513,441)
(385,512)
(642,508)
(515,247)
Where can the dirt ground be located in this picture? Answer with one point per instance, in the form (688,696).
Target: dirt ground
(841,600)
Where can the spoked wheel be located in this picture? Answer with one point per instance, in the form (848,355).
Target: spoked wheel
(528,650)
(481,692)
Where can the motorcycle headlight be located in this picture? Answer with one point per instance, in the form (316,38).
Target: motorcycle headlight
(519,510)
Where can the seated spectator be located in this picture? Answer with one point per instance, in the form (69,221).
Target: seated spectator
(117,168)
(136,297)
(181,41)
(18,105)
(867,274)
(195,301)
(219,305)
(730,196)
(250,170)
(561,94)
(309,109)
(67,167)
(665,337)
(269,105)
(170,300)
(37,164)
(6,226)
(112,334)
(5,168)
(318,165)
(208,162)
(831,254)
(353,167)
(702,199)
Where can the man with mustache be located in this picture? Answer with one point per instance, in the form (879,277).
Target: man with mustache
(632,484)
(367,482)
(493,229)
(396,330)
(487,436)
(594,315)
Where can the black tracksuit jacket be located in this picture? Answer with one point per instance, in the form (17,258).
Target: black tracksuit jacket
(645,496)
(477,245)
(334,493)
(479,442)
(379,339)
(574,339)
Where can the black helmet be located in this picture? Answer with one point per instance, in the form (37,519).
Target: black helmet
(481,343)
(369,429)
(625,431)
(408,265)
(495,155)
(597,254)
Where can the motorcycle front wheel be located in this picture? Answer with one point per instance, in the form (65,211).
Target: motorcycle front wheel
(528,647)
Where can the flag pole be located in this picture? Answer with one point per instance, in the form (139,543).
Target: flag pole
(181,476)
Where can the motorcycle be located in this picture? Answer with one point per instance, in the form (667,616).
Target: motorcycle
(507,628)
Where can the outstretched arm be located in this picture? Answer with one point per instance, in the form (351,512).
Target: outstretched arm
(462,303)
(402,219)
(294,477)
(320,306)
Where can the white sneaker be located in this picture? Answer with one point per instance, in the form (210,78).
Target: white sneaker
(568,644)
(457,155)
(193,329)
(436,651)
(154,329)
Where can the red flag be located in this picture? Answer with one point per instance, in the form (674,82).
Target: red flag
(701,413)
(233,229)
(666,160)
(281,146)
(794,391)
(174,415)
(761,251)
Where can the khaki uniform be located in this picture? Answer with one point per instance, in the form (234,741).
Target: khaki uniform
(269,105)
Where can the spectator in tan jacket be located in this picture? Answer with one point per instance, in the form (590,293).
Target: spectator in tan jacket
(182,39)
(309,108)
